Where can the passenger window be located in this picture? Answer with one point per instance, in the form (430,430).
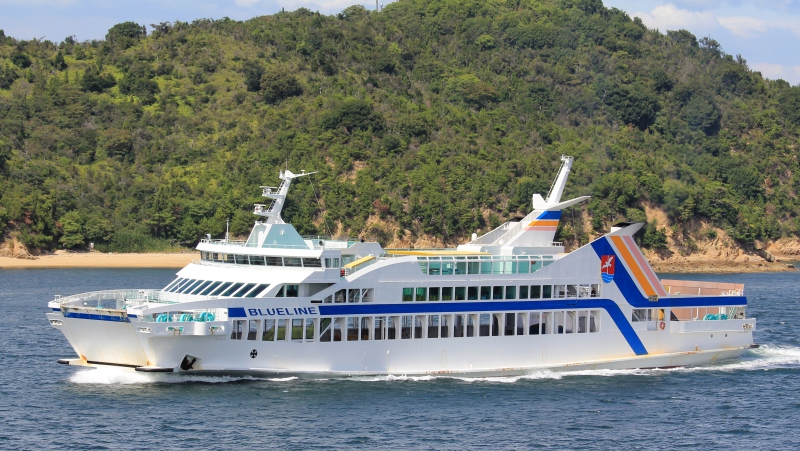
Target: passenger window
(444,323)
(309,329)
(253,329)
(433,293)
(447,293)
(406,323)
(257,260)
(523,266)
(458,326)
(238,328)
(273,261)
(281,329)
(297,329)
(461,293)
(188,286)
(486,293)
(523,292)
(421,293)
(338,298)
(352,328)
(474,267)
(461,268)
(433,326)
(269,330)
(536,292)
(292,291)
(511,292)
(485,325)
(408,294)
(547,291)
(472,293)
(241,259)
(325,329)
(595,290)
(380,327)
(497,293)
(418,326)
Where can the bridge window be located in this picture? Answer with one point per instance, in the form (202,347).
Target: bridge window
(200,287)
(240,292)
(292,261)
(255,292)
(257,260)
(222,287)
(273,261)
(312,263)
(233,288)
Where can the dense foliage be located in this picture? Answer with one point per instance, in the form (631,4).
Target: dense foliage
(438,117)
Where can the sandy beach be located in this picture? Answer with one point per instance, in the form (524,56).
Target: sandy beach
(63,259)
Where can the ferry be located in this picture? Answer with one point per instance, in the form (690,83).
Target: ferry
(510,302)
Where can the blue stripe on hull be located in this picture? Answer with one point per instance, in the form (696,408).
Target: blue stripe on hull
(493,306)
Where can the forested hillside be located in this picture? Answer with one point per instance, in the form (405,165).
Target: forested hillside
(427,120)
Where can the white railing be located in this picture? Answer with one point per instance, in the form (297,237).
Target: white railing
(112,299)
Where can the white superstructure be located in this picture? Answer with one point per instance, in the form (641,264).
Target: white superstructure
(508,302)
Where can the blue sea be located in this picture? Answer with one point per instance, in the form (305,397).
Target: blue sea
(750,403)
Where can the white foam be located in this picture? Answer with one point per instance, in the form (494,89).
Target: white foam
(118,376)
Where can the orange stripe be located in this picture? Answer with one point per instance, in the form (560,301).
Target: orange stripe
(544,223)
(648,271)
(632,265)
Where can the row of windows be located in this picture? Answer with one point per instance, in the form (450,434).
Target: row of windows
(348,296)
(215,288)
(444,266)
(353,328)
(500,292)
(261,260)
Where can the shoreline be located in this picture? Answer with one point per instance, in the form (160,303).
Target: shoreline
(62,259)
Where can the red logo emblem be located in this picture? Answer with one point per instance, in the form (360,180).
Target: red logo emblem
(607,264)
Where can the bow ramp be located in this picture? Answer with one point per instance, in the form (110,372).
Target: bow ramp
(535,232)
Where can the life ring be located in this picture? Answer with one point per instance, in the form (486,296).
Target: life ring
(662,325)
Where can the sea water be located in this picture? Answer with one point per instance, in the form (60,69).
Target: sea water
(752,402)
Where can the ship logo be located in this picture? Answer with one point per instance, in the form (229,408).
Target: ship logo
(607,267)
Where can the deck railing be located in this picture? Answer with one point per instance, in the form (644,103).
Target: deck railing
(697,288)
(112,299)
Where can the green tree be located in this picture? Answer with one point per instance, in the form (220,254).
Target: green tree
(72,230)
(126,34)
(277,84)
(253,71)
